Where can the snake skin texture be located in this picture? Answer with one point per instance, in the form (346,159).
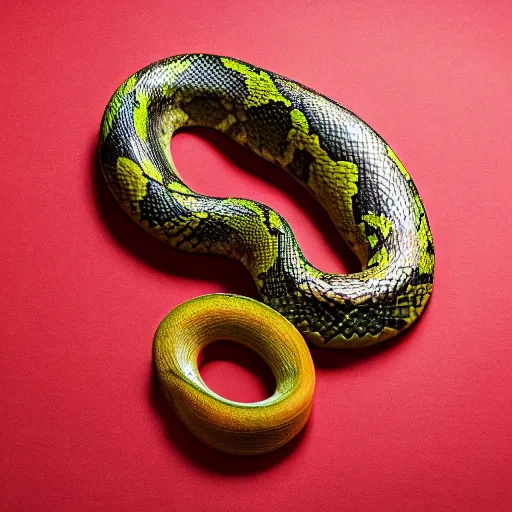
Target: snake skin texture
(344,164)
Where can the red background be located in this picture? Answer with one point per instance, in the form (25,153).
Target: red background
(420,423)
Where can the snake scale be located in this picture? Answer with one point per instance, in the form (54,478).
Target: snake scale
(337,157)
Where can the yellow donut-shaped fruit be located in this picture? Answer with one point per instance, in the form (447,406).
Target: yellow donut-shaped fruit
(227,426)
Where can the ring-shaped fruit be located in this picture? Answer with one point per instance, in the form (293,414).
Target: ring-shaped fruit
(225,425)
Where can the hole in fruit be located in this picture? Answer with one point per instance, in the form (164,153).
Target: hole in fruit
(236,372)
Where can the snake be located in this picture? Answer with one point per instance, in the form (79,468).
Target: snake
(342,162)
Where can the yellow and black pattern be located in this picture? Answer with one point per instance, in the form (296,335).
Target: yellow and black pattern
(347,167)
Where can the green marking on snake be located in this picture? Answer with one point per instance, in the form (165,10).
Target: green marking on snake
(131,180)
(368,195)
(151,171)
(378,222)
(227,122)
(140,115)
(175,186)
(372,239)
(115,104)
(313,271)
(299,120)
(426,265)
(261,88)
(250,205)
(398,163)
(263,247)
(380,257)
(173,69)
(176,67)
(274,219)
(419,210)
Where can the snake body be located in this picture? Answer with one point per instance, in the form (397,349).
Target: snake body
(345,165)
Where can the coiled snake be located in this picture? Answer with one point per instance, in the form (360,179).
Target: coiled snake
(344,164)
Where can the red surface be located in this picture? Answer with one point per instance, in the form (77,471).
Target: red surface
(421,423)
